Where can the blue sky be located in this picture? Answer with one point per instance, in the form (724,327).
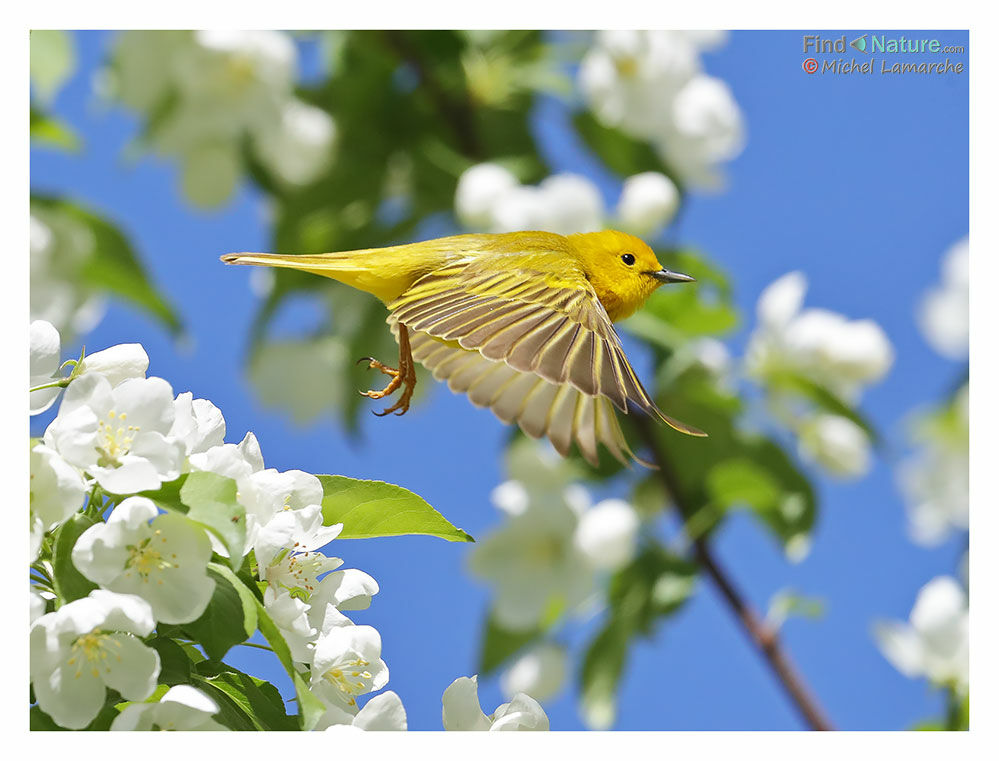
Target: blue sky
(859,181)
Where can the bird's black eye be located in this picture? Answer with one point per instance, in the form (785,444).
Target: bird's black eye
(628,259)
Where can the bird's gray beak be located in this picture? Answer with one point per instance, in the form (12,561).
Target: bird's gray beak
(668,276)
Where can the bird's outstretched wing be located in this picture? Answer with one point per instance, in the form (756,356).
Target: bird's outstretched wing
(564,364)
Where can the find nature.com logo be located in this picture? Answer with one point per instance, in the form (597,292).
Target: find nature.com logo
(871,45)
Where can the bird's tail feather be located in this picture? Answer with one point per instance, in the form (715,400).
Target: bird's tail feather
(309,262)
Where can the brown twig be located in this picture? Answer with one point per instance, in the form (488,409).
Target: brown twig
(764,637)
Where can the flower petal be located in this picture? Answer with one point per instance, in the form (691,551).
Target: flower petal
(461,709)
(383,713)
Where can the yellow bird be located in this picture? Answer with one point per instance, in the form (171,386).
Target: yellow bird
(521,322)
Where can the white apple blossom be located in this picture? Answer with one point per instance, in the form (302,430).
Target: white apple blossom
(235,461)
(221,87)
(265,493)
(304,607)
(197,424)
(118,435)
(935,480)
(181,709)
(532,561)
(521,208)
(60,245)
(944,312)
(607,534)
(548,551)
(89,645)
(540,671)
(570,203)
(292,531)
(934,643)
(630,78)
(462,711)
(479,189)
(649,85)
(56,488)
(299,145)
(37,602)
(706,130)
(117,363)
(43,364)
(841,354)
(648,201)
(837,444)
(383,713)
(713,355)
(346,664)
(162,558)
(489,197)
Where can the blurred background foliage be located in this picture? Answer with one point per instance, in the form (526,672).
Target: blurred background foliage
(407,135)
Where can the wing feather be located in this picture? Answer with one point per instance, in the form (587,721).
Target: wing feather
(538,351)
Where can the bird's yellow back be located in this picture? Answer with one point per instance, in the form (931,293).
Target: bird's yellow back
(576,261)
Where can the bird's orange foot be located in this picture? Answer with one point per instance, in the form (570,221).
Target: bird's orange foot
(405,376)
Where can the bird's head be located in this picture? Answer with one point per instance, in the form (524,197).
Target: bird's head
(622,269)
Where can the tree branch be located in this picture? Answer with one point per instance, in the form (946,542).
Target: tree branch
(457,113)
(764,637)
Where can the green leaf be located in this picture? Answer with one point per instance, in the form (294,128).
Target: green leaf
(603,665)
(167,496)
(786,603)
(113,266)
(257,700)
(374,508)
(675,313)
(175,666)
(672,315)
(310,708)
(792,515)
(212,502)
(654,585)
(622,154)
(69,583)
(48,130)
(739,481)
(499,644)
(230,617)
(53,59)
(39,721)
(824,399)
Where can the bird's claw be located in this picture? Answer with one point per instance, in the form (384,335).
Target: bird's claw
(405,376)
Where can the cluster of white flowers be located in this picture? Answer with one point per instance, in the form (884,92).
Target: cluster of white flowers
(944,312)
(203,92)
(463,712)
(489,197)
(934,643)
(60,246)
(546,557)
(123,433)
(935,479)
(828,350)
(553,543)
(650,85)
(118,433)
